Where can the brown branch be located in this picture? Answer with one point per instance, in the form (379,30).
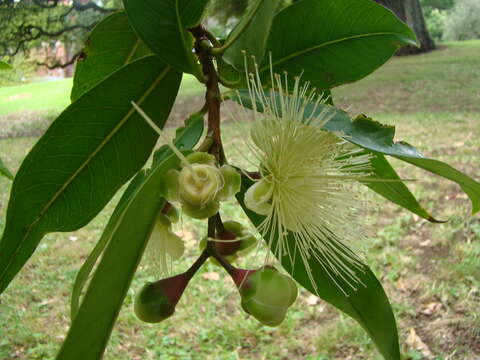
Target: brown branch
(58,64)
(212,96)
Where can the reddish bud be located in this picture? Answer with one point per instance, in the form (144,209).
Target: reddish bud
(156,301)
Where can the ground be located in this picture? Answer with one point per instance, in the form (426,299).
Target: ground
(431,272)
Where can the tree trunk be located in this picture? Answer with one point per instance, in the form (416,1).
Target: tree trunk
(411,13)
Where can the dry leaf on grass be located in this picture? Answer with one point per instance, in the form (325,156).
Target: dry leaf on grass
(414,341)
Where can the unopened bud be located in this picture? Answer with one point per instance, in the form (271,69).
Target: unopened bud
(199,184)
(258,197)
(156,301)
(267,294)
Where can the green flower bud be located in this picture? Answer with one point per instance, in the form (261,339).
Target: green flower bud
(232,183)
(258,197)
(201,212)
(156,301)
(201,158)
(231,249)
(267,294)
(199,184)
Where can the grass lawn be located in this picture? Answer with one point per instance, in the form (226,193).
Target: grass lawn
(48,96)
(39,96)
(431,272)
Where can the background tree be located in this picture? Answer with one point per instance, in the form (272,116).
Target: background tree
(410,11)
(30,24)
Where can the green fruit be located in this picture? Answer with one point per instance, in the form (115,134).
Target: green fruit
(152,306)
(156,301)
(267,294)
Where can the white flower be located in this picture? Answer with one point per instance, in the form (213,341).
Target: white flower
(309,180)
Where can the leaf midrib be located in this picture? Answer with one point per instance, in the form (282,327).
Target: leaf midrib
(316,47)
(82,167)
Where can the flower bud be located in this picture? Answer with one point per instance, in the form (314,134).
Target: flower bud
(232,183)
(245,239)
(199,184)
(266,294)
(238,241)
(201,212)
(156,301)
(258,197)
(201,158)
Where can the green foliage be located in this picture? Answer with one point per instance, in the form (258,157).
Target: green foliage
(463,22)
(435,20)
(111,45)
(64,163)
(438,4)
(163,27)
(122,255)
(250,34)
(312,48)
(100,142)
(5,66)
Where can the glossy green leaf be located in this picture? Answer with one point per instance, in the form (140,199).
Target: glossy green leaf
(333,42)
(5,66)
(163,25)
(97,144)
(368,305)
(395,191)
(91,328)
(110,45)
(379,138)
(4,170)
(87,267)
(230,77)
(250,34)
(186,138)
(372,135)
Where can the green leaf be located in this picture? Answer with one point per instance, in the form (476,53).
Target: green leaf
(163,25)
(250,34)
(4,170)
(186,138)
(110,45)
(97,144)
(395,191)
(5,66)
(376,137)
(333,42)
(91,328)
(87,267)
(368,305)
